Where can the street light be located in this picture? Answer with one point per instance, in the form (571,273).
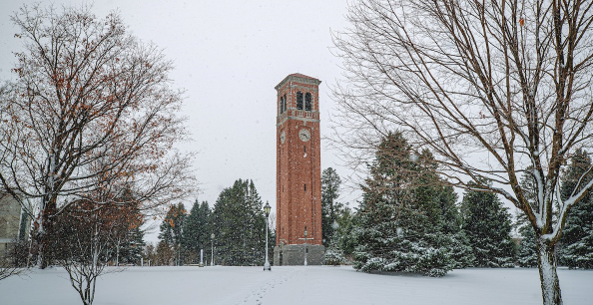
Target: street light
(212,245)
(267,209)
(306,252)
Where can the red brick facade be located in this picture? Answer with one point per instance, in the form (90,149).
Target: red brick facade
(298,161)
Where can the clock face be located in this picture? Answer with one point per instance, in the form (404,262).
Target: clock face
(304,135)
(282,137)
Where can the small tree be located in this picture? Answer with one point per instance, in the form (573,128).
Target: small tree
(240,225)
(330,191)
(172,229)
(577,238)
(399,222)
(527,250)
(488,226)
(196,232)
(87,235)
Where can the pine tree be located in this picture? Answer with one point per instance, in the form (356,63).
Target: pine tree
(172,229)
(330,191)
(343,240)
(130,241)
(131,249)
(240,225)
(488,226)
(451,222)
(527,249)
(196,233)
(577,238)
(399,217)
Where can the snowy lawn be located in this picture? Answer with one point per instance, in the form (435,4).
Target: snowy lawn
(295,285)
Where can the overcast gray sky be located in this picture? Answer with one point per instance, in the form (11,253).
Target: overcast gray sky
(229,55)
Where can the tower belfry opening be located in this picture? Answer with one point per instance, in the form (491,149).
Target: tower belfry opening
(298,173)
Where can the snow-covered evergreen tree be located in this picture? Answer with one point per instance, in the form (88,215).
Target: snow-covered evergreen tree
(240,225)
(344,238)
(451,220)
(196,233)
(172,229)
(488,226)
(131,248)
(400,216)
(330,191)
(527,250)
(577,237)
(334,255)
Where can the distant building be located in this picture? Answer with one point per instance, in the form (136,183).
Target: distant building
(14,223)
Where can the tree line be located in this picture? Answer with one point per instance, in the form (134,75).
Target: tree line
(495,89)
(410,221)
(233,230)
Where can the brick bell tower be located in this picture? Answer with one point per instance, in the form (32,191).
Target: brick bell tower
(298,170)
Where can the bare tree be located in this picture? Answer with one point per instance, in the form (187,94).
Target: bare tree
(495,89)
(90,103)
(89,234)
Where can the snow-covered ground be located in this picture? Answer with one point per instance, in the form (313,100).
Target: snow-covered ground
(295,285)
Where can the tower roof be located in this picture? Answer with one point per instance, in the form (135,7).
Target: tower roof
(299,78)
(303,76)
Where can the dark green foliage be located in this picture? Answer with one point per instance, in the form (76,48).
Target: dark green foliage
(487,225)
(527,249)
(336,219)
(334,256)
(344,239)
(577,237)
(196,233)
(527,252)
(342,242)
(172,229)
(239,222)
(449,221)
(404,212)
(330,191)
(407,245)
(130,248)
(460,250)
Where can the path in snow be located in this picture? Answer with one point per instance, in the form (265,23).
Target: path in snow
(295,285)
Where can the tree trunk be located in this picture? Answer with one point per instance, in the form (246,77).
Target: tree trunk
(546,262)
(43,236)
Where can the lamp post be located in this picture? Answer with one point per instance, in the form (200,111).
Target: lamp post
(212,245)
(306,252)
(267,209)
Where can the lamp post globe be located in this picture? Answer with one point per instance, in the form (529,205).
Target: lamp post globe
(267,209)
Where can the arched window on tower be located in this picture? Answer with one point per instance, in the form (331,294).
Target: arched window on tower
(299,99)
(284,102)
(308,100)
(281,103)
